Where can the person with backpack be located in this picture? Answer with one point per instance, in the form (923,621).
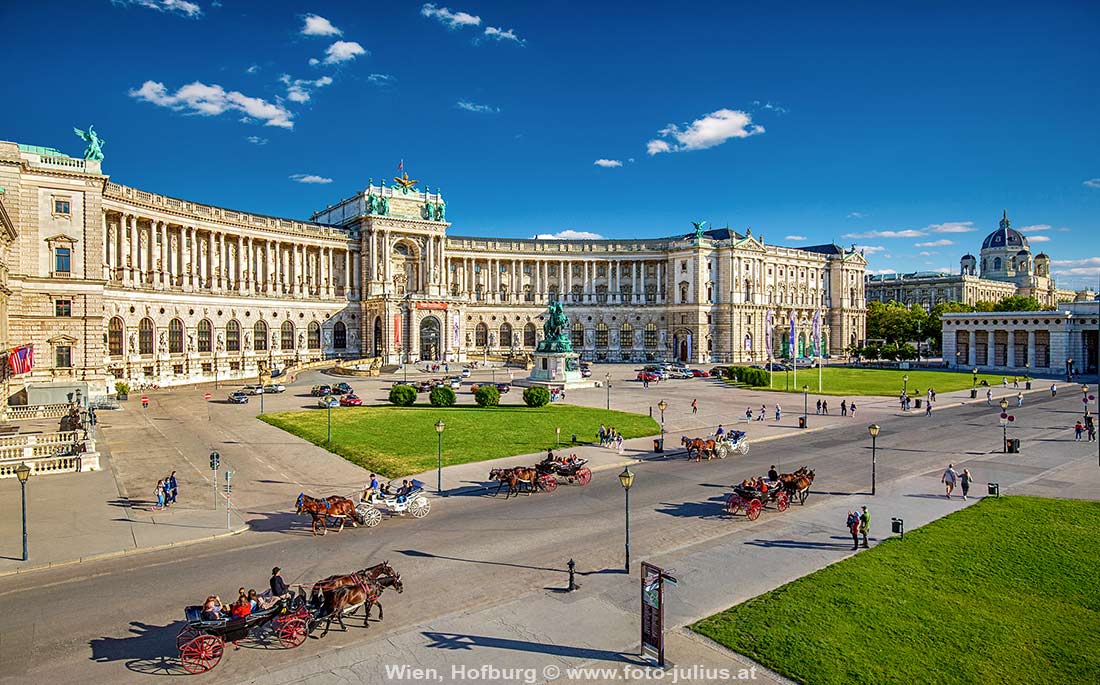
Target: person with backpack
(853,527)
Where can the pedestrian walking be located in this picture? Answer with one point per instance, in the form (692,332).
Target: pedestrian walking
(864,524)
(989,397)
(825,407)
(852,523)
(1019,399)
(950,475)
(1015,382)
(1078,430)
(964,480)
(928,408)
(1004,381)
(167,492)
(603,435)
(694,407)
(159,495)
(852,410)
(748,414)
(1053,390)
(778,412)
(172,486)
(843,407)
(1090,428)
(763,412)
(819,406)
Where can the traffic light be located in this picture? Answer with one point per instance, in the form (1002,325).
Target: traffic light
(215,460)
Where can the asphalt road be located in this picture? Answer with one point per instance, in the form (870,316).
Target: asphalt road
(116,620)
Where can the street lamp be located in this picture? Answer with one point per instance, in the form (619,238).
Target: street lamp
(662,405)
(1069,370)
(607,382)
(627,479)
(439,426)
(329,399)
(905,384)
(873,430)
(805,405)
(23,472)
(975,373)
(1004,424)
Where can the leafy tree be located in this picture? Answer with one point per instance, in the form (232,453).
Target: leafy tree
(1018,303)
(536,396)
(403,395)
(442,396)
(487,396)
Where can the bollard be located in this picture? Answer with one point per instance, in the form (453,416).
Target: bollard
(572,580)
(574,438)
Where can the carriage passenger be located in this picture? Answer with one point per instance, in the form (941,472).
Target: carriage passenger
(212,608)
(240,608)
(253,600)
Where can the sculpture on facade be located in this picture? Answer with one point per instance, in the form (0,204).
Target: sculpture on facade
(440,213)
(698,228)
(301,339)
(190,342)
(247,341)
(555,330)
(383,206)
(370,203)
(163,344)
(274,340)
(221,343)
(133,343)
(94,150)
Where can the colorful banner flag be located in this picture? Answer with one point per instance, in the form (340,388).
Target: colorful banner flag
(689,348)
(817,333)
(21,359)
(396,329)
(791,344)
(768,325)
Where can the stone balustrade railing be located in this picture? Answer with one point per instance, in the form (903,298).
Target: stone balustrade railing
(35,411)
(46,453)
(65,463)
(25,439)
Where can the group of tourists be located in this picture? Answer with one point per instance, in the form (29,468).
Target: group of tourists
(610,437)
(247,602)
(375,490)
(1088,426)
(166,492)
(859,523)
(951,476)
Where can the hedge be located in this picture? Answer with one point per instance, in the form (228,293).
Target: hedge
(487,396)
(442,396)
(536,396)
(403,395)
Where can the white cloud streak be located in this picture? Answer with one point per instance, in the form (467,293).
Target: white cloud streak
(181,7)
(795,238)
(301,90)
(445,16)
(935,243)
(952,227)
(608,163)
(476,108)
(871,249)
(569,234)
(1039,239)
(310,178)
(502,35)
(856,215)
(907,233)
(256,140)
(212,100)
(1092,183)
(1087,261)
(319,26)
(343,51)
(1037,228)
(705,132)
(381,79)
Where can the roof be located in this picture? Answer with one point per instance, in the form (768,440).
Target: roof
(831,248)
(718,234)
(1005,237)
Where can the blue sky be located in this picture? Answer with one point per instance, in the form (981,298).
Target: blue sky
(904,127)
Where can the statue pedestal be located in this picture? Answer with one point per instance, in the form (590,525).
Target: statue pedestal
(556,370)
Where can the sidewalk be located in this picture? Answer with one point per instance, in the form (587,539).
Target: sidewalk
(546,633)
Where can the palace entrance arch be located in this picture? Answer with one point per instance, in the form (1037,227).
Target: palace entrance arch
(430,339)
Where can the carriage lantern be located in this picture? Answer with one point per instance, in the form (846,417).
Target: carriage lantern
(873,429)
(627,479)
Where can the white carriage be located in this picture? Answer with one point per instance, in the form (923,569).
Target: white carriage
(414,502)
(734,442)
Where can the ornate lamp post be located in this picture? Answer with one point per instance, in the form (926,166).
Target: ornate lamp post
(1004,424)
(662,405)
(975,374)
(805,406)
(873,430)
(1069,370)
(329,399)
(626,478)
(439,426)
(23,472)
(905,384)
(607,382)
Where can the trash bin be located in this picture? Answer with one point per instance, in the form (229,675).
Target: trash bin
(973,393)
(801,421)
(917,403)
(657,446)
(1013,445)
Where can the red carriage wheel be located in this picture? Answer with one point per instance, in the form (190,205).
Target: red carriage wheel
(782,501)
(584,475)
(292,632)
(734,504)
(754,509)
(202,653)
(186,634)
(548,483)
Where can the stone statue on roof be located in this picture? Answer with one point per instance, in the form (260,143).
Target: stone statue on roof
(698,228)
(95,143)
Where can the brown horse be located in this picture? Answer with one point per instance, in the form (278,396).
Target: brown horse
(335,506)
(798,484)
(316,593)
(526,475)
(700,447)
(362,592)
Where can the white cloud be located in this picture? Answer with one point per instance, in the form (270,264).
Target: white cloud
(1039,239)
(180,7)
(313,61)
(252,69)
(935,243)
(770,106)
(309,178)
(319,26)
(300,90)
(1088,261)
(451,20)
(342,51)
(883,272)
(256,140)
(500,34)
(199,98)
(907,233)
(1035,229)
(952,227)
(475,107)
(381,79)
(856,215)
(569,234)
(797,238)
(1092,183)
(608,163)
(870,249)
(926,253)
(1092,271)
(1064,230)
(706,132)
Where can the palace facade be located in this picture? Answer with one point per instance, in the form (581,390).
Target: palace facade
(110,283)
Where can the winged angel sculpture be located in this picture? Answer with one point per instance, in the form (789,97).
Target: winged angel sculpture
(95,143)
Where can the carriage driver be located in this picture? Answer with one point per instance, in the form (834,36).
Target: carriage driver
(720,434)
(279,588)
(370,493)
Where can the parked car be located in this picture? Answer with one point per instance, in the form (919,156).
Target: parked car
(320,390)
(699,373)
(274,388)
(238,397)
(647,376)
(424,386)
(350,400)
(252,390)
(456,383)
(104,403)
(465,373)
(586,372)
(503,387)
(328,402)
(341,389)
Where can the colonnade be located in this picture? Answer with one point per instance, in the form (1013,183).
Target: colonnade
(575,280)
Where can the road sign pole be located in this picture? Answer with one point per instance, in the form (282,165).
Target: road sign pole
(228,493)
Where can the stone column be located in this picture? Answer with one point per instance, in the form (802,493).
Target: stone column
(162,268)
(106,249)
(299,270)
(991,348)
(641,282)
(329,290)
(131,249)
(1010,349)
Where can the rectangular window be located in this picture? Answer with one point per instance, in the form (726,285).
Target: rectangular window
(63,307)
(62,207)
(62,260)
(63,357)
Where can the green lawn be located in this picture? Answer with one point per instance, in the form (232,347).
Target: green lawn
(397,441)
(1002,592)
(842,380)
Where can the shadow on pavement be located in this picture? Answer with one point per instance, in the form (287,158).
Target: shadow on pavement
(428,555)
(713,507)
(927,495)
(458,641)
(150,649)
(797,544)
(286,522)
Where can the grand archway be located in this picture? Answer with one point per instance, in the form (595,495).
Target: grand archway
(430,339)
(377,336)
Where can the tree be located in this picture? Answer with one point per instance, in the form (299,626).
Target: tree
(536,396)
(442,396)
(1018,303)
(403,395)
(487,396)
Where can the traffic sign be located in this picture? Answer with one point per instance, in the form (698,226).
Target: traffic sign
(1004,415)
(206,396)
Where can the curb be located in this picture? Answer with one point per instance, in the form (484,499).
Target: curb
(124,552)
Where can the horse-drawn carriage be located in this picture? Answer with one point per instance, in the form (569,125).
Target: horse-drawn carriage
(201,642)
(752,495)
(733,442)
(367,512)
(573,471)
(542,477)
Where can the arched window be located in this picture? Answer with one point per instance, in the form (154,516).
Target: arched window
(115,331)
(577,334)
(145,336)
(651,335)
(259,336)
(340,335)
(626,336)
(553,293)
(505,339)
(996,263)
(286,336)
(313,335)
(601,335)
(205,330)
(481,335)
(233,336)
(529,335)
(175,336)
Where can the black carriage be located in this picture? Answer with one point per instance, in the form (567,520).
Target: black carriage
(753,500)
(201,643)
(575,472)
